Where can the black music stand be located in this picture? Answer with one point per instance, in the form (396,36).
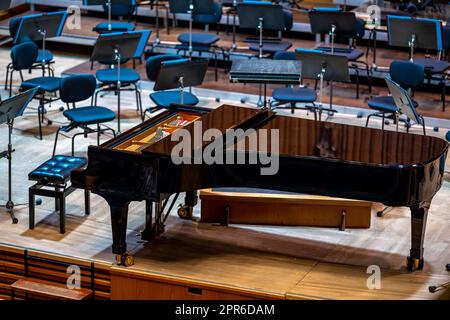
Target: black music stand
(5,5)
(10,109)
(325,67)
(186,7)
(260,17)
(333,23)
(181,75)
(39,27)
(404,105)
(415,33)
(116,47)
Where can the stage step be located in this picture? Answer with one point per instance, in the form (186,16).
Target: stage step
(49,289)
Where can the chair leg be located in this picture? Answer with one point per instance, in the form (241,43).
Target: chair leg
(292,108)
(382,123)
(10,82)
(56,141)
(98,134)
(40,119)
(62,213)
(31,207)
(87,202)
(367,120)
(7,75)
(57,200)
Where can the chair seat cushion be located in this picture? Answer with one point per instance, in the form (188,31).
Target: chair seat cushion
(351,54)
(102,27)
(109,76)
(45,84)
(199,39)
(89,115)
(165,98)
(294,95)
(272,47)
(385,104)
(57,169)
(48,56)
(433,66)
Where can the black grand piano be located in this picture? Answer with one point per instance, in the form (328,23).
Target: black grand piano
(320,158)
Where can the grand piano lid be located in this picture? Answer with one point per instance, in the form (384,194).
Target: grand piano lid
(307,138)
(222,118)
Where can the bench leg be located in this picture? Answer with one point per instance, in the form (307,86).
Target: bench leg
(31,208)
(57,206)
(62,213)
(87,202)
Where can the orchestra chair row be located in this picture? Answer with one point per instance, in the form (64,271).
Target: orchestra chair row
(163,99)
(48,62)
(406,74)
(53,180)
(78,88)
(292,96)
(119,10)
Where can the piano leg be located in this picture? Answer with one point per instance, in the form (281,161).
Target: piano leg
(418,224)
(119,217)
(190,201)
(146,234)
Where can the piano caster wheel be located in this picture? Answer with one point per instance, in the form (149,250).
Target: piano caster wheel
(414,264)
(380,213)
(185,212)
(125,259)
(447,266)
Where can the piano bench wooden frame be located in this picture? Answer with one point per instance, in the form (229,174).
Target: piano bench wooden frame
(60,192)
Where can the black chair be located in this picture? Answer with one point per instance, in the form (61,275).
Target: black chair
(292,96)
(74,89)
(23,57)
(409,76)
(163,99)
(118,10)
(13,27)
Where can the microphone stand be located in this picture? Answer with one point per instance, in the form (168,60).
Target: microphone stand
(260,55)
(321,76)
(108,4)
(411,44)
(43,32)
(190,12)
(118,59)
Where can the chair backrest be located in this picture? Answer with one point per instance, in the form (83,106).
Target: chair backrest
(13,26)
(205,7)
(77,88)
(121,8)
(285,55)
(207,11)
(24,55)
(154,64)
(178,6)
(407,74)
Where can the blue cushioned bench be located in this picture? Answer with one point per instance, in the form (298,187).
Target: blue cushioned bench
(52,180)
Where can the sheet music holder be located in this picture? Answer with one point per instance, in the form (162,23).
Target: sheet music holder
(181,75)
(333,23)
(415,33)
(5,5)
(404,104)
(40,27)
(117,47)
(325,67)
(10,109)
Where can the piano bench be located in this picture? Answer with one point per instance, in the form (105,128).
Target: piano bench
(52,180)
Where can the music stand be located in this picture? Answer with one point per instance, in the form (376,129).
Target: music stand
(325,67)
(115,47)
(333,23)
(186,7)
(261,16)
(10,109)
(5,5)
(39,27)
(180,75)
(108,4)
(414,33)
(404,104)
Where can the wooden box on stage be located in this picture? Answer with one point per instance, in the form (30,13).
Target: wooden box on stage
(223,206)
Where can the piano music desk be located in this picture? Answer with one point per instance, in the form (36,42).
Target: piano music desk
(282,209)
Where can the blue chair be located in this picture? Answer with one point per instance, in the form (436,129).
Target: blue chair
(407,75)
(13,27)
(23,57)
(290,95)
(120,9)
(207,12)
(163,99)
(74,89)
(447,136)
